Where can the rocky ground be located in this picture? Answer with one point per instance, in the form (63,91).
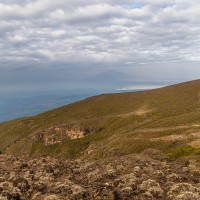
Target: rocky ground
(149,175)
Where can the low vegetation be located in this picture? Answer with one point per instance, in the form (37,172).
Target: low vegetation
(146,176)
(109,125)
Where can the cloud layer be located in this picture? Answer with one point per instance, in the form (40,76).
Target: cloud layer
(91,33)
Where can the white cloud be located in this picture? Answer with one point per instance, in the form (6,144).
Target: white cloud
(107,32)
(58,33)
(140,87)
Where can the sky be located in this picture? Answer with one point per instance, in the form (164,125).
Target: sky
(57,44)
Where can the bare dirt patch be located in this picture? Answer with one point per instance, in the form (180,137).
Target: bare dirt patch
(139,112)
(160,129)
(195,143)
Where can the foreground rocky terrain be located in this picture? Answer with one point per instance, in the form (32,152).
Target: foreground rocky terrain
(149,175)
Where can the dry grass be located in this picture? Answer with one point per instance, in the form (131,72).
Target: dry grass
(130,123)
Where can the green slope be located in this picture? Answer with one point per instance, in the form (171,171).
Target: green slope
(167,119)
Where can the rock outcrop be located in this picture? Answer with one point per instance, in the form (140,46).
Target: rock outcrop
(57,134)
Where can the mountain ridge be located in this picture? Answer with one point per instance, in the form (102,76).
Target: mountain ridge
(111,125)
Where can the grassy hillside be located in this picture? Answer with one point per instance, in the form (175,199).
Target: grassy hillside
(167,119)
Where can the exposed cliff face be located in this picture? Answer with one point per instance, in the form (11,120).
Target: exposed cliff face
(56,135)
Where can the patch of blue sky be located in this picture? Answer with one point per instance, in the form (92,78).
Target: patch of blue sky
(137,5)
(133,5)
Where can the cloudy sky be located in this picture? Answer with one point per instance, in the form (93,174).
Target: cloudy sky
(46,42)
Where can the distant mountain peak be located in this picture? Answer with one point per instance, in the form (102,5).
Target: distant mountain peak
(110,76)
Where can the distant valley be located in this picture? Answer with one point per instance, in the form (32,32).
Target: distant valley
(16,105)
(13,107)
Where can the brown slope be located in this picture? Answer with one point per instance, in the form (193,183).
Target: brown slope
(113,124)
